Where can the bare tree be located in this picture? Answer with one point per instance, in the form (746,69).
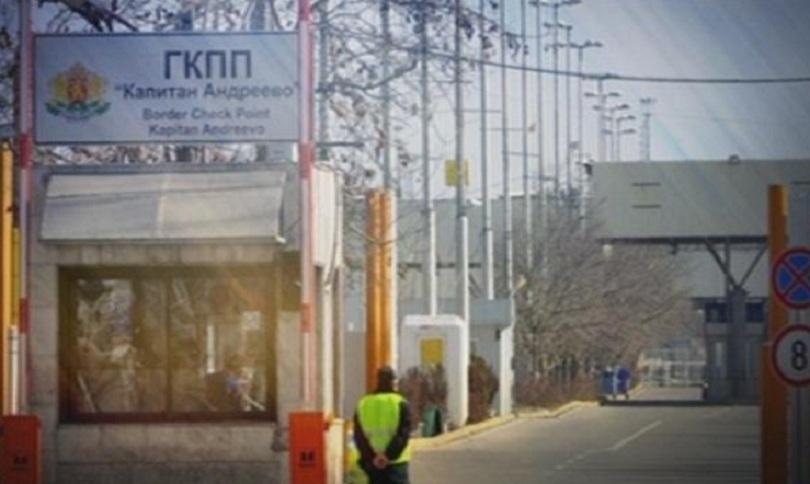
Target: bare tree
(593,304)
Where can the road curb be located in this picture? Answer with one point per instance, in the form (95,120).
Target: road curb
(428,443)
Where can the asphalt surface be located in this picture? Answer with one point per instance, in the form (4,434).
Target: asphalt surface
(661,435)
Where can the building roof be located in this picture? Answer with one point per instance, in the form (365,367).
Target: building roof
(160,205)
(690,201)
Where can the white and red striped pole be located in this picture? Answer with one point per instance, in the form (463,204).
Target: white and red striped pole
(306,160)
(26,147)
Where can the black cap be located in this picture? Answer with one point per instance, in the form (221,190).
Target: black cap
(386,377)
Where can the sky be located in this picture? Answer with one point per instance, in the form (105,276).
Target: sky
(659,38)
(665,38)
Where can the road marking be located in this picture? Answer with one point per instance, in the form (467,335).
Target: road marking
(618,445)
(718,412)
(615,447)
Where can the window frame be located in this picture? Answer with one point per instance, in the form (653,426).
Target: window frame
(67,324)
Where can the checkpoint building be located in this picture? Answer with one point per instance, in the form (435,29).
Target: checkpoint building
(714,215)
(165,321)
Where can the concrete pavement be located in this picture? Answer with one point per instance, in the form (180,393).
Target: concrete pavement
(661,435)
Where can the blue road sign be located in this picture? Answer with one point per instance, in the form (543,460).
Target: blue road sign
(790,278)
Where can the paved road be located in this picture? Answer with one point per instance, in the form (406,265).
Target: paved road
(659,436)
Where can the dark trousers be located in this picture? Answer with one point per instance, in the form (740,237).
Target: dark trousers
(393,474)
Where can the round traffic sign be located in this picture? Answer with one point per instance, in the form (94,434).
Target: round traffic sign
(791,354)
(790,278)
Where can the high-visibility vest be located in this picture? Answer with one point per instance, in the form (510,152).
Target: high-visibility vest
(379,417)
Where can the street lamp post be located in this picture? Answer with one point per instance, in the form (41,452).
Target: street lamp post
(609,114)
(602,98)
(645,135)
(580,48)
(618,133)
(555,24)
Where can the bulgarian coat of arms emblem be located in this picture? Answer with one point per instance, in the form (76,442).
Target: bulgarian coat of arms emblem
(77,94)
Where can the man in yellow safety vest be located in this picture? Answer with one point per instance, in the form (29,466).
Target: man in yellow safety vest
(382,427)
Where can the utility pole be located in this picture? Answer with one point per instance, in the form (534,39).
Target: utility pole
(185,22)
(258,23)
(463,257)
(429,210)
(580,137)
(568,184)
(323,76)
(618,132)
(645,137)
(524,102)
(541,156)
(556,24)
(389,280)
(385,91)
(507,172)
(489,279)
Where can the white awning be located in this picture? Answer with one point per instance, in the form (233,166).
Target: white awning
(172,207)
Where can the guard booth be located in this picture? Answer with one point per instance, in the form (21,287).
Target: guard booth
(165,321)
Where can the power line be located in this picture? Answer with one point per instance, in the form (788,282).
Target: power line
(628,78)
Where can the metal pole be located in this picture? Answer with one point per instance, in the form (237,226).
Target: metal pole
(507,193)
(323,77)
(580,139)
(306,153)
(568,184)
(541,156)
(463,263)
(26,140)
(429,210)
(600,120)
(524,101)
(390,281)
(613,125)
(385,88)
(489,279)
(556,27)
(645,138)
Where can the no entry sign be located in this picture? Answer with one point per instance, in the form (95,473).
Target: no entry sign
(791,354)
(790,278)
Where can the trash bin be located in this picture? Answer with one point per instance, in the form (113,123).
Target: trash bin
(608,384)
(432,422)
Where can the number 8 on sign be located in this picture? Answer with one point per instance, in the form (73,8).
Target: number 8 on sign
(791,354)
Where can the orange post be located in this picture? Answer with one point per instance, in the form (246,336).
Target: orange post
(6,269)
(379,283)
(386,247)
(774,439)
(373,287)
(308,447)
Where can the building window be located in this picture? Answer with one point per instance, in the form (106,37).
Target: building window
(166,344)
(755,312)
(719,364)
(715,312)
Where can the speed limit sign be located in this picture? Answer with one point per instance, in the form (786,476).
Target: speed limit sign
(791,354)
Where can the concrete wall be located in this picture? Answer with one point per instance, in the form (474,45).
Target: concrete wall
(499,356)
